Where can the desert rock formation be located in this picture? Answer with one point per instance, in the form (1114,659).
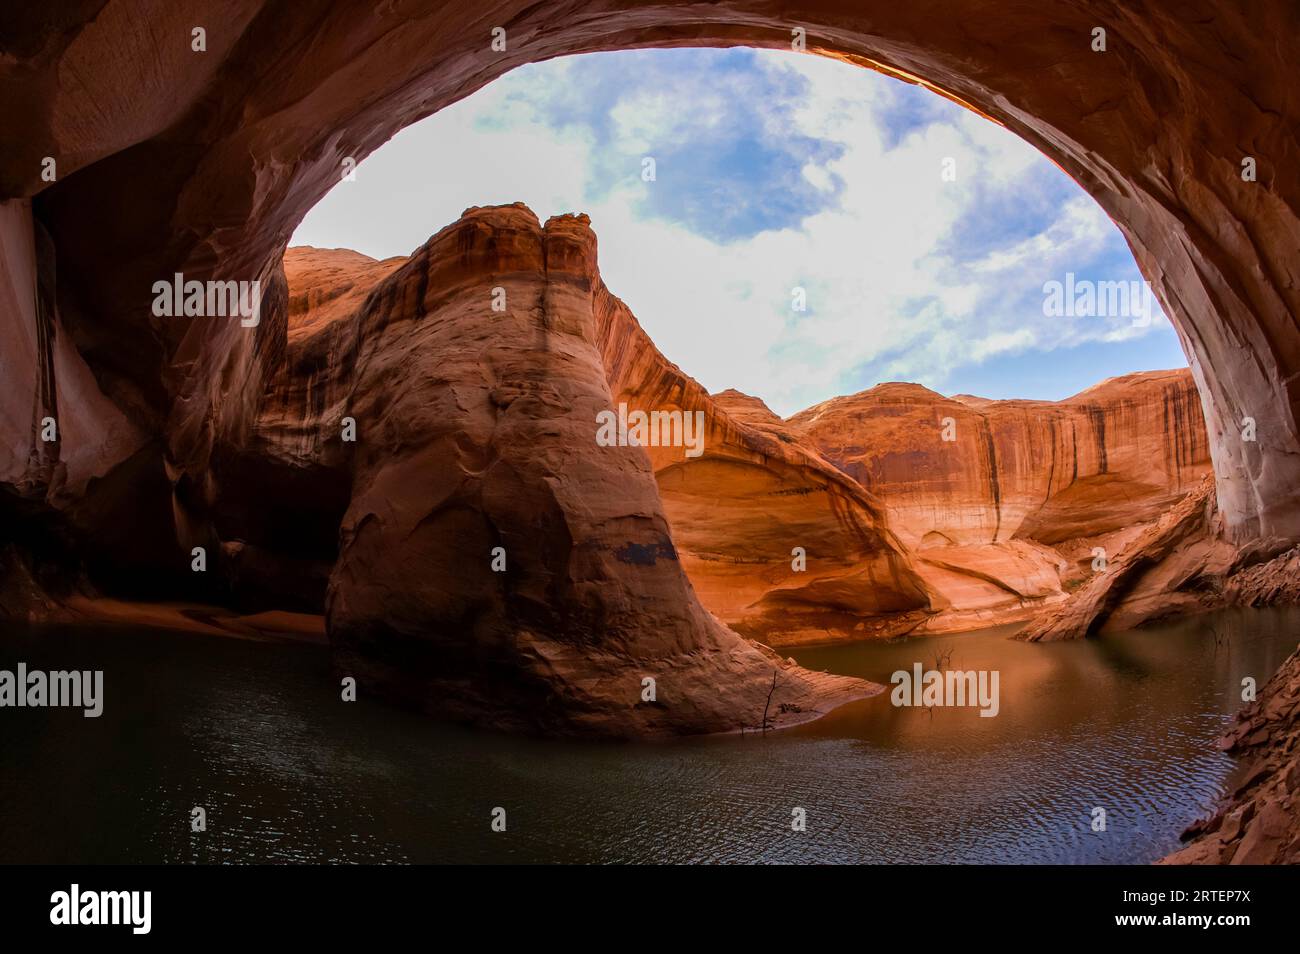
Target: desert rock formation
(979,518)
(476,441)
(778,542)
(1155,574)
(1004,502)
(1118,454)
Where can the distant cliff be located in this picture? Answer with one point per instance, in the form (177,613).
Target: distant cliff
(1007,504)
(966,470)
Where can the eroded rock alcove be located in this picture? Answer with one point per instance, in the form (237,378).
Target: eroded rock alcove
(168,159)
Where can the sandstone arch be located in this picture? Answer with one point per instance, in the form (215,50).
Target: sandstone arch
(206,161)
(171,160)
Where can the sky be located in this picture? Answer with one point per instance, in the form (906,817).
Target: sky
(776,171)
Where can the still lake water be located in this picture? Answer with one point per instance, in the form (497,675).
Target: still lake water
(255,733)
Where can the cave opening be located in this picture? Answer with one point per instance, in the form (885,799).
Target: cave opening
(384,444)
(808,234)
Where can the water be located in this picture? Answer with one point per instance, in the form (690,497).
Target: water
(255,733)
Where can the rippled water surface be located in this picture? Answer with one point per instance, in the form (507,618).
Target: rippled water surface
(255,733)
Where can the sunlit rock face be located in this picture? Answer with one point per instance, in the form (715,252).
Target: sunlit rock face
(964,471)
(777,541)
(1004,501)
(1173,564)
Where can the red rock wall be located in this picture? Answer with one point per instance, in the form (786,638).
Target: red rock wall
(42,375)
(1114,456)
(756,493)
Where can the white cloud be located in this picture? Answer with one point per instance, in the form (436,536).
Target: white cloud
(884,289)
(426,175)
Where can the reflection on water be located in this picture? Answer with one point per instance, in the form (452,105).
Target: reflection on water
(256,734)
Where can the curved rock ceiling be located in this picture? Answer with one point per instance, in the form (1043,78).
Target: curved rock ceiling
(205,162)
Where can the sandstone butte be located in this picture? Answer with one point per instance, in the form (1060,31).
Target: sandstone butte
(169,161)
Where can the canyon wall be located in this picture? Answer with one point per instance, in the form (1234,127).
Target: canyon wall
(778,542)
(82,484)
(965,470)
(786,529)
(1006,502)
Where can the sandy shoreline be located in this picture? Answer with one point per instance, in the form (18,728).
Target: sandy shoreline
(272,626)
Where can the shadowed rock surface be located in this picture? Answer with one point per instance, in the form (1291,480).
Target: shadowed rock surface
(1257,823)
